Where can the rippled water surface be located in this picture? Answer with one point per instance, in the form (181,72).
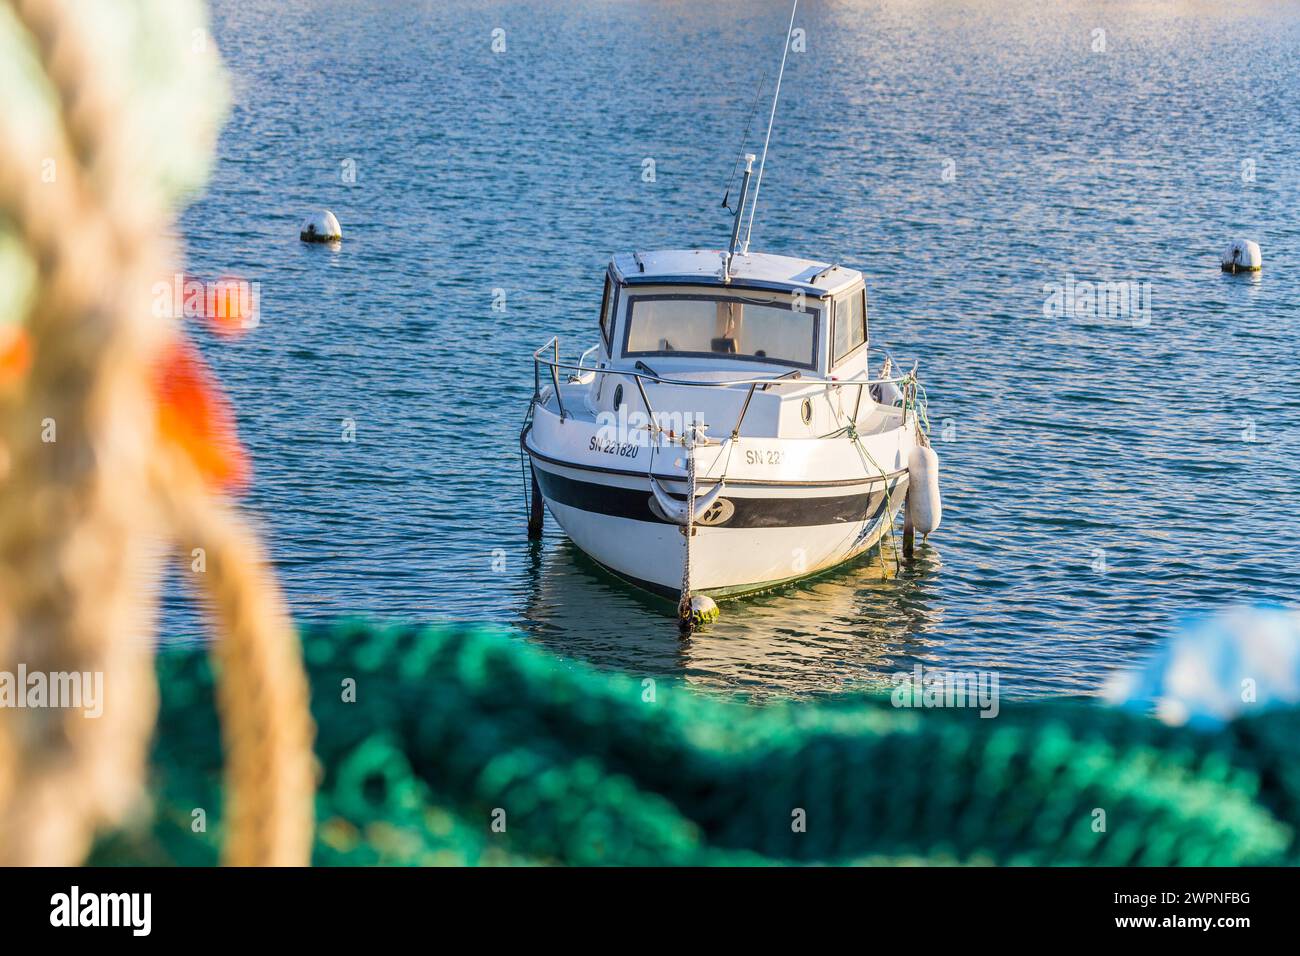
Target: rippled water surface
(1103,477)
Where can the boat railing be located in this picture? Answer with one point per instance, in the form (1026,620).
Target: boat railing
(642,373)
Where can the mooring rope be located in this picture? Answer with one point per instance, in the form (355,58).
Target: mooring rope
(684,605)
(889,504)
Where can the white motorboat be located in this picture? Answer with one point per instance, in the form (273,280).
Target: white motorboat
(725,434)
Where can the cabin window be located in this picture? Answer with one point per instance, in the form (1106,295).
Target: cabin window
(759,330)
(850,326)
(607,312)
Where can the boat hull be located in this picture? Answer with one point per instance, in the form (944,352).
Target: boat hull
(755,537)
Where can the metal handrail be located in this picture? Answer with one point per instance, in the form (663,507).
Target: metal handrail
(553,345)
(582,366)
(555,374)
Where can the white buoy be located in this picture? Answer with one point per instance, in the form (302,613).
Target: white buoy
(1242,255)
(923,504)
(703,610)
(321,226)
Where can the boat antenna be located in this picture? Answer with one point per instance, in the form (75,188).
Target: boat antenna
(771,117)
(740,213)
(744,138)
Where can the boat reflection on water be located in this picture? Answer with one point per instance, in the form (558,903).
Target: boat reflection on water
(847,629)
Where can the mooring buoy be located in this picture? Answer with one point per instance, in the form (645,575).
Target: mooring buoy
(700,610)
(1242,255)
(321,226)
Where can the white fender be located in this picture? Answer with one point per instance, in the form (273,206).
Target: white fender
(923,504)
(675,511)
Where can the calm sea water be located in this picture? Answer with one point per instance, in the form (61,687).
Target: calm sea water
(1103,476)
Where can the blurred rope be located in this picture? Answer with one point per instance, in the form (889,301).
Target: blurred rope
(82,506)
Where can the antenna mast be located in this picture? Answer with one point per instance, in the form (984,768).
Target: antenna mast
(758,185)
(740,212)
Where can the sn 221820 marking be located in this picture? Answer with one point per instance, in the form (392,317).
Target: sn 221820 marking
(618,449)
(759,457)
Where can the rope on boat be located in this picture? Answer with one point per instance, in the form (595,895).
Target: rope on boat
(684,611)
(910,382)
(920,407)
(889,504)
(528,479)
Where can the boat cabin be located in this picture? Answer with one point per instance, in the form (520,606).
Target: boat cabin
(674,312)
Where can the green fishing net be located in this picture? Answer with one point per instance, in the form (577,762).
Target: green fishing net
(463,745)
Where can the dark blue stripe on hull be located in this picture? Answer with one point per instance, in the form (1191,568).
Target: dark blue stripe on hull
(791,512)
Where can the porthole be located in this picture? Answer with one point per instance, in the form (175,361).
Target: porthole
(805,411)
(618,396)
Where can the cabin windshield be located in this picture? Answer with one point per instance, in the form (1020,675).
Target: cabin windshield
(746,327)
